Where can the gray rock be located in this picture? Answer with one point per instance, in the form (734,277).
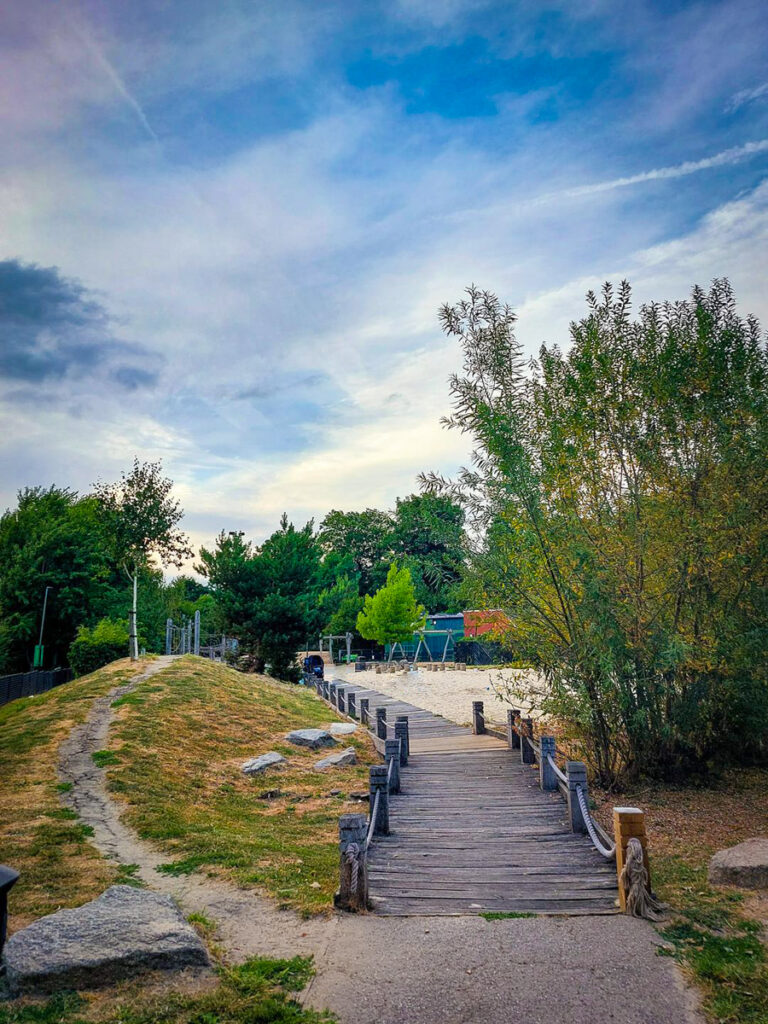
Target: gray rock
(745,865)
(347,756)
(342,729)
(313,738)
(256,765)
(124,932)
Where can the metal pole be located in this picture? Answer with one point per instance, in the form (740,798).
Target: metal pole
(197,632)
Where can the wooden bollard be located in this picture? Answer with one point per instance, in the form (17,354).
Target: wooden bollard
(629,823)
(332,694)
(353,867)
(381,723)
(351,701)
(364,702)
(527,753)
(340,699)
(577,776)
(478,718)
(325,689)
(513,739)
(392,753)
(378,784)
(547,777)
(401,731)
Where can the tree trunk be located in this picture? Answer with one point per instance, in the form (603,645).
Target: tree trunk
(134,641)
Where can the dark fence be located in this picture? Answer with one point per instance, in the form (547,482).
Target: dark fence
(26,684)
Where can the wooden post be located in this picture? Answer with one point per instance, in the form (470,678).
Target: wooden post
(392,753)
(340,699)
(325,690)
(629,823)
(353,867)
(351,709)
(577,776)
(478,718)
(332,693)
(527,753)
(364,715)
(401,731)
(381,723)
(378,784)
(513,739)
(547,777)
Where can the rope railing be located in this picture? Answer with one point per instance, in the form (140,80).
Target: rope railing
(553,765)
(372,821)
(609,852)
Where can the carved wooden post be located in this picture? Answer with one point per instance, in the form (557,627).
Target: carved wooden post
(340,699)
(629,823)
(351,709)
(527,753)
(381,723)
(513,739)
(326,693)
(378,785)
(332,693)
(353,867)
(547,777)
(577,776)
(478,718)
(392,753)
(364,715)
(401,731)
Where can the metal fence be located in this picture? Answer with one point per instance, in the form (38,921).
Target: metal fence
(27,684)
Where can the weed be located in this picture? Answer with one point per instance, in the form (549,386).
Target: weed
(101,758)
(504,915)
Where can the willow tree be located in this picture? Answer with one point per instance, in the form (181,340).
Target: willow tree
(141,520)
(619,490)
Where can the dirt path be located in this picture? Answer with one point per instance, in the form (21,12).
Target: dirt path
(377,970)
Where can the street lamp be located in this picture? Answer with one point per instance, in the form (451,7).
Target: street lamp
(38,662)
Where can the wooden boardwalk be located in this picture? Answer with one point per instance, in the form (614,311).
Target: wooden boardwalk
(471,831)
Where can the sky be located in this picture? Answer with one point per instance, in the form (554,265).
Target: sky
(226,229)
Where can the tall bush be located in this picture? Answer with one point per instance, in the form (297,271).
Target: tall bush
(93,648)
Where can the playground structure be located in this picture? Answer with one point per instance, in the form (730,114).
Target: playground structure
(330,637)
(186,639)
(440,651)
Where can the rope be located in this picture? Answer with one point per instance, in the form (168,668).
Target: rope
(389,771)
(561,775)
(352,857)
(374,818)
(609,852)
(639,900)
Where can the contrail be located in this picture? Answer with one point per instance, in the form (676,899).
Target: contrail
(120,86)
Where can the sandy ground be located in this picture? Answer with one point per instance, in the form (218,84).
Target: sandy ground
(449,693)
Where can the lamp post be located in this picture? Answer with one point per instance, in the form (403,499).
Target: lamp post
(38,660)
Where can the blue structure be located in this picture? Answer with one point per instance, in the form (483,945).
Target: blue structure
(439,637)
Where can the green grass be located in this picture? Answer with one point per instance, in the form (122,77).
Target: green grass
(178,751)
(504,915)
(260,991)
(101,758)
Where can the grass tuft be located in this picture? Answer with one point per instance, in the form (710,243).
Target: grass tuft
(504,915)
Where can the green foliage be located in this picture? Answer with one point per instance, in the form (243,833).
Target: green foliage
(364,537)
(339,606)
(428,539)
(392,614)
(621,489)
(93,648)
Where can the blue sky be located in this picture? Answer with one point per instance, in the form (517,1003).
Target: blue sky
(227,228)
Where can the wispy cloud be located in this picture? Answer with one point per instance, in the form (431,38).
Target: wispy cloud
(744,96)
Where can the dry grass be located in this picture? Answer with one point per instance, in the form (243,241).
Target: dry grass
(180,740)
(58,866)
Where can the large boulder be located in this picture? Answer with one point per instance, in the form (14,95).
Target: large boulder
(745,865)
(313,738)
(342,729)
(122,933)
(347,756)
(257,765)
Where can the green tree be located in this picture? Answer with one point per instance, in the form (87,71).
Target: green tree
(365,537)
(428,538)
(339,606)
(392,614)
(141,519)
(52,538)
(621,489)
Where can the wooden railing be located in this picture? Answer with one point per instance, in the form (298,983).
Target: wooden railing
(357,832)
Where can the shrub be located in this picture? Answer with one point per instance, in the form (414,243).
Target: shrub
(93,648)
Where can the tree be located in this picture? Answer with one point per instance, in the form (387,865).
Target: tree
(620,492)
(141,520)
(428,538)
(392,615)
(366,537)
(52,538)
(339,606)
